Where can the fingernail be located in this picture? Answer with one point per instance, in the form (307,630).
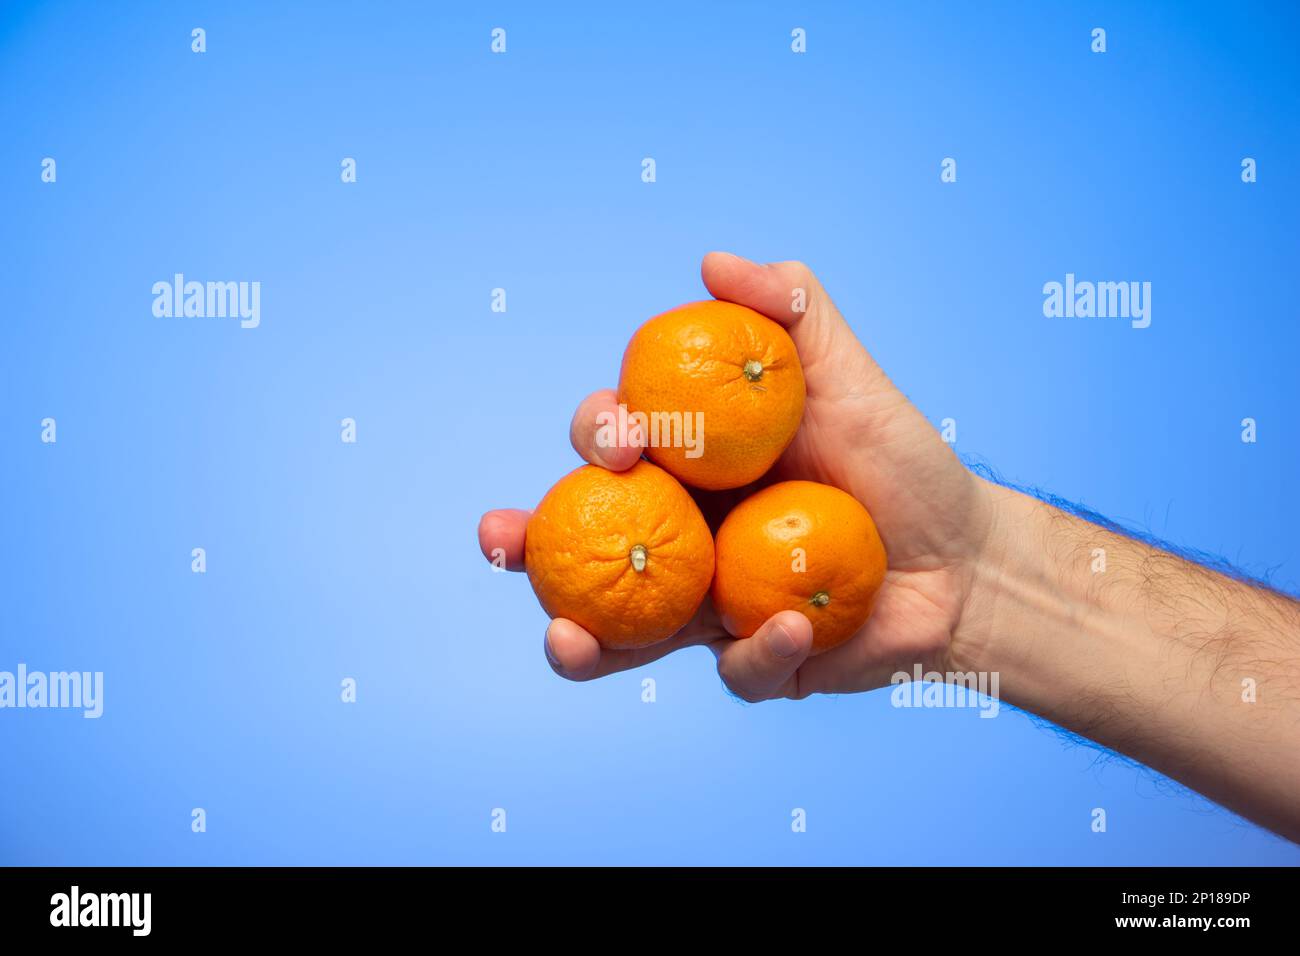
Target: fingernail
(550,656)
(781,641)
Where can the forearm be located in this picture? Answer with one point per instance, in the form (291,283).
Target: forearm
(1189,671)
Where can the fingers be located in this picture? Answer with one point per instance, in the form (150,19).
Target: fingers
(784,291)
(501,537)
(603,437)
(574,653)
(903,629)
(761,667)
(597,436)
(835,362)
(766,665)
(571,651)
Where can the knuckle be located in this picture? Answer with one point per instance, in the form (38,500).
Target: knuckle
(802,277)
(731,678)
(802,271)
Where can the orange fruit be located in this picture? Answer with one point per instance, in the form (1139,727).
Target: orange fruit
(627,555)
(802,546)
(720,369)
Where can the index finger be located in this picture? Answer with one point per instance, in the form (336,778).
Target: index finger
(573,652)
(501,537)
(601,433)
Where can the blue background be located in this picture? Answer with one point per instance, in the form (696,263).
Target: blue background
(522,171)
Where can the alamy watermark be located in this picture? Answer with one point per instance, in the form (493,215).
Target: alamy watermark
(1102,300)
(208,300)
(654,430)
(82,690)
(973,689)
(130,910)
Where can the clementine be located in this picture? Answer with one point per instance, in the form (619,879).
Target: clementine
(627,555)
(728,371)
(804,546)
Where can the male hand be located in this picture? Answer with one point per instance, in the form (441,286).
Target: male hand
(858,433)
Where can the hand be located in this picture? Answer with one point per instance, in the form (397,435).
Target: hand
(858,433)
(1162,663)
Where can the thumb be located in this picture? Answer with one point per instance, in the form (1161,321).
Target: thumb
(783,291)
(764,666)
(789,293)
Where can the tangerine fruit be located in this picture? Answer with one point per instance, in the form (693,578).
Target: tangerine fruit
(803,546)
(730,369)
(627,555)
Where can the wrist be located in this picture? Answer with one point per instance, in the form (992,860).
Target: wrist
(1033,614)
(1057,608)
(1139,650)
(991,619)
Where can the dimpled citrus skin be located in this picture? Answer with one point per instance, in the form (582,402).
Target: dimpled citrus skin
(843,559)
(578,549)
(693,359)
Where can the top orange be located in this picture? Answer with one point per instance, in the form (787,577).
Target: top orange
(721,389)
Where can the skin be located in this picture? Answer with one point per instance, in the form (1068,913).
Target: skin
(1149,657)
